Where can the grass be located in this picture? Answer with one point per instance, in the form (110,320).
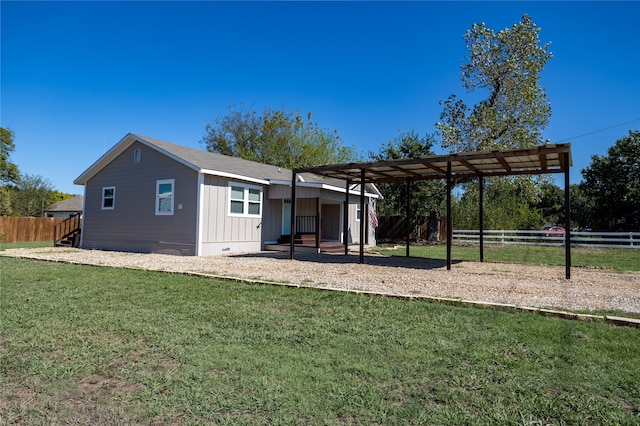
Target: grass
(33,244)
(618,260)
(90,345)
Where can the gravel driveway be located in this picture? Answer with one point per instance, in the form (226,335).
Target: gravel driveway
(522,285)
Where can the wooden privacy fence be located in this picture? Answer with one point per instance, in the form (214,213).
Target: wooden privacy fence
(27,229)
(550,238)
(394,228)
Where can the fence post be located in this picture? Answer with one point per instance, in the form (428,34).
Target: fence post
(631,239)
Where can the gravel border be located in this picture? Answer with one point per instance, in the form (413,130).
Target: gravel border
(503,284)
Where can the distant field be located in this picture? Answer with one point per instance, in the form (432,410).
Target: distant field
(620,260)
(92,345)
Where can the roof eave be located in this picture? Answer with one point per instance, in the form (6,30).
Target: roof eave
(375,194)
(124,143)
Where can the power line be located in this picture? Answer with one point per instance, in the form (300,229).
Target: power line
(598,131)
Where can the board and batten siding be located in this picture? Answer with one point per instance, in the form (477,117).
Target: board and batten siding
(132,225)
(354,225)
(272,219)
(222,232)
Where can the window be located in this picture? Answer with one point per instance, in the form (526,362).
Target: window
(108,197)
(136,155)
(164,196)
(244,200)
(358,212)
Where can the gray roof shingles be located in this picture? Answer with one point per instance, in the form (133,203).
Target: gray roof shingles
(209,162)
(73,204)
(205,160)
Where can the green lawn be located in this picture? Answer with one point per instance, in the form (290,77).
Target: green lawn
(90,345)
(620,260)
(33,244)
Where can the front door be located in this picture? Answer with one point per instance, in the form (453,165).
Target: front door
(286,217)
(331,222)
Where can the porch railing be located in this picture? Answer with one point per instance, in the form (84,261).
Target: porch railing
(68,229)
(305,224)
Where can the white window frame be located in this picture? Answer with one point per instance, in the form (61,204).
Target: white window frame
(137,154)
(358,212)
(245,200)
(159,196)
(112,198)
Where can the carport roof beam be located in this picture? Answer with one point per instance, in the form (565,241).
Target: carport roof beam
(465,165)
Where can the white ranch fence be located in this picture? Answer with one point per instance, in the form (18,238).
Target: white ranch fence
(550,238)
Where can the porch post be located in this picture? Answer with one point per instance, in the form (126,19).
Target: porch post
(345,220)
(408,213)
(567,218)
(366,224)
(318,223)
(449,216)
(481,183)
(293,215)
(362,219)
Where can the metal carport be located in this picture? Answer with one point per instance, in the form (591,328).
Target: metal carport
(467,165)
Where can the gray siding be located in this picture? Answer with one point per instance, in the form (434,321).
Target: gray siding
(133,225)
(222,232)
(272,220)
(354,224)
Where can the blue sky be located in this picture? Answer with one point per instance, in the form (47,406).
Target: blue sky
(77,76)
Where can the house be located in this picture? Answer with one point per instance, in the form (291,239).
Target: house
(65,208)
(147,195)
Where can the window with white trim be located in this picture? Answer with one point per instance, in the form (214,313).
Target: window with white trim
(358,212)
(108,197)
(245,200)
(136,155)
(164,196)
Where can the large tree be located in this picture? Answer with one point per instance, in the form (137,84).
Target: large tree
(611,184)
(31,195)
(425,197)
(508,204)
(276,137)
(506,64)
(9,173)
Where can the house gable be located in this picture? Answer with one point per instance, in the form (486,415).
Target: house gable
(131,222)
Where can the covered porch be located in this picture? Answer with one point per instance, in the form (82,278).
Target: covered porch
(321,224)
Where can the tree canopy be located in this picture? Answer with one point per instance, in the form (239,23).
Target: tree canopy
(611,184)
(9,173)
(277,138)
(508,65)
(425,197)
(22,194)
